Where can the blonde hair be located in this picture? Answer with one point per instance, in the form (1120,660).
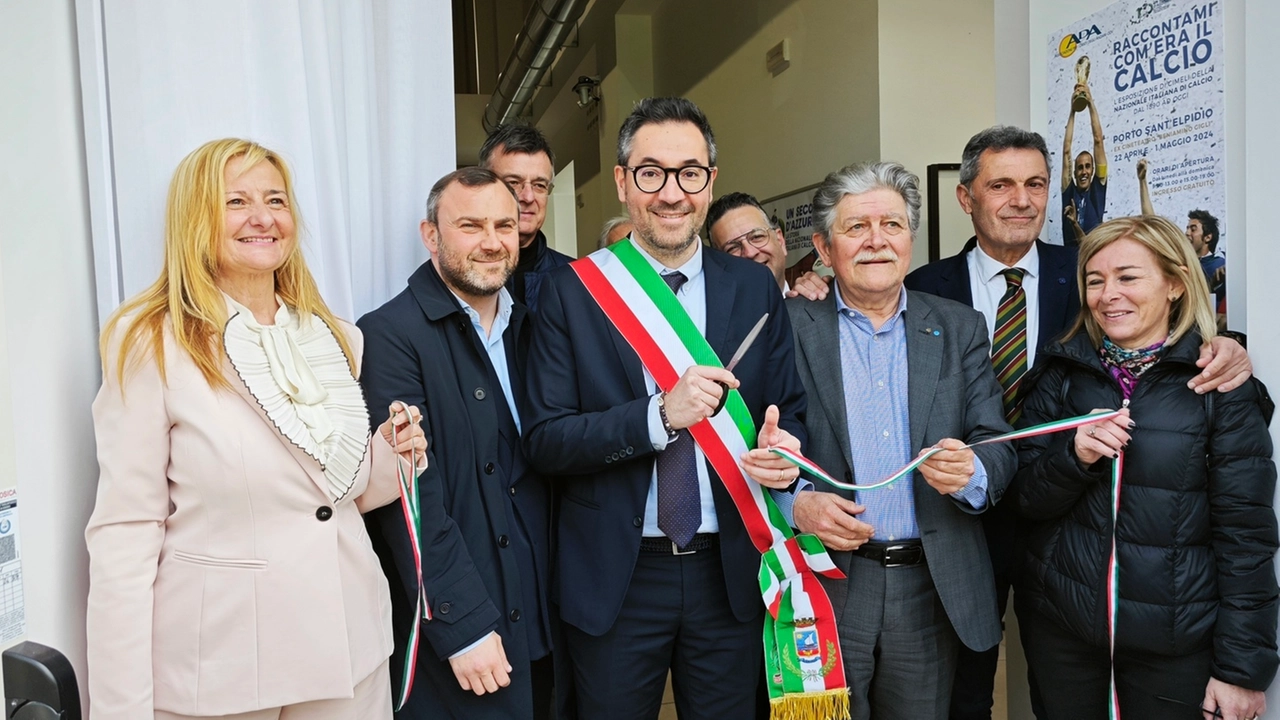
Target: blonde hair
(1189,311)
(186,298)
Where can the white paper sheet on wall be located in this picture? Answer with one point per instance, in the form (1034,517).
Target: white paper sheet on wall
(13,615)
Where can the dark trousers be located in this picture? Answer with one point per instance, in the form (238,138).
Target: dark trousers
(675,617)
(1075,677)
(898,645)
(972,693)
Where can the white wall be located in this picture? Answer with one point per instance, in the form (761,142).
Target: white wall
(937,88)
(1260,107)
(50,322)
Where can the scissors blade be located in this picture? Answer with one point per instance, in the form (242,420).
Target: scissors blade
(746,343)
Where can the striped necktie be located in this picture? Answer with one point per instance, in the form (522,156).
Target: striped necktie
(1009,346)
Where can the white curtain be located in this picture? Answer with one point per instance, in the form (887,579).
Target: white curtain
(357,95)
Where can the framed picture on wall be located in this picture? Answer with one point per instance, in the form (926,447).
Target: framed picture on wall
(949,225)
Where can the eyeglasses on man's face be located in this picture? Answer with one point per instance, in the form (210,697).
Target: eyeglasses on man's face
(758,237)
(692,179)
(538,186)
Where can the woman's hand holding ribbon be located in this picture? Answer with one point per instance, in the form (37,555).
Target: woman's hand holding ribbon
(1103,439)
(403,433)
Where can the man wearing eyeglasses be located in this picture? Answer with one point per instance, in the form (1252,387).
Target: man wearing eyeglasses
(656,571)
(736,224)
(522,157)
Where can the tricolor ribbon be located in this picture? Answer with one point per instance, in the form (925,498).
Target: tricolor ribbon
(802,647)
(1113,583)
(410,505)
(1113,564)
(813,469)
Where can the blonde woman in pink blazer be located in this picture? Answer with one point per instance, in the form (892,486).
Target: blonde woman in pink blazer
(230,571)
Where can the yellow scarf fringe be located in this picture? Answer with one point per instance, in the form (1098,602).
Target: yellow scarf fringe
(825,705)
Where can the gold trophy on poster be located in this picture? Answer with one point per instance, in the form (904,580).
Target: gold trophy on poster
(1081,101)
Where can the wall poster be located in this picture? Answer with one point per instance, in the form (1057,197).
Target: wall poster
(1136,109)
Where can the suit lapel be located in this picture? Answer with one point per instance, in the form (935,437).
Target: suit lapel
(818,333)
(924,363)
(308,463)
(720,288)
(1056,287)
(954,280)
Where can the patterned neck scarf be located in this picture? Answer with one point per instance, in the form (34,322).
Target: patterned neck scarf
(1126,366)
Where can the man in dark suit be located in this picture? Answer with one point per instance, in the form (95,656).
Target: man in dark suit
(1004,181)
(522,157)
(655,569)
(894,373)
(454,344)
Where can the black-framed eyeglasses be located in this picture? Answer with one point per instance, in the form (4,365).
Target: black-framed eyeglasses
(692,179)
(757,237)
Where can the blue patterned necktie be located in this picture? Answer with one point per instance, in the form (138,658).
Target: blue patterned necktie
(679,503)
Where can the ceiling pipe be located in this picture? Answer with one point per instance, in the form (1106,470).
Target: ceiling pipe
(545,30)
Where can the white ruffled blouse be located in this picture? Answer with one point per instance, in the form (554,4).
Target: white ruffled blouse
(297,372)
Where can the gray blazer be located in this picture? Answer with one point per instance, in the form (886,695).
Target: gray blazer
(952,393)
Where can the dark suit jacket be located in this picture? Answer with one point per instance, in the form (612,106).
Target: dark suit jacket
(1059,305)
(1059,299)
(951,393)
(588,429)
(421,348)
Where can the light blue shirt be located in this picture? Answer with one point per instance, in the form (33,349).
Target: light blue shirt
(873,369)
(495,346)
(693,298)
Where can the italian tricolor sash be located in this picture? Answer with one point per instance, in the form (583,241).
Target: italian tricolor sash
(802,648)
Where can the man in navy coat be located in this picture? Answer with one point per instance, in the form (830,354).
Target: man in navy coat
(1004,188)
(454,344)
(655,571)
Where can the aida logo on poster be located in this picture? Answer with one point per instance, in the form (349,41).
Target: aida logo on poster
(1071,41)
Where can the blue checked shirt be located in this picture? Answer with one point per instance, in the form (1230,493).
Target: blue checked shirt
(874,381)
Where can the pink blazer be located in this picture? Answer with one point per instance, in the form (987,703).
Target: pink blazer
(222,577)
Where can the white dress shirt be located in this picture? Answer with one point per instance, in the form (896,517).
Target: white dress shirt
(987,286)
(693,297)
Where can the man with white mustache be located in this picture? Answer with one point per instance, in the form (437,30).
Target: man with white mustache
(455,343)
(892,373)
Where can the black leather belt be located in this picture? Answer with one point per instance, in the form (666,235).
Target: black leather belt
(700,542)
(897,554)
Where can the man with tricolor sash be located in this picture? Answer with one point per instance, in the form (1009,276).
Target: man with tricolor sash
(901,387)
(655,446)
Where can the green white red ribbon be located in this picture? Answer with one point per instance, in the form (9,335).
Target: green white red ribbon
(1113,563)
(1113,583)
(801,644)
(813,469)
(410,506)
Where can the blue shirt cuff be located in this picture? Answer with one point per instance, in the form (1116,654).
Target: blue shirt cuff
(975,493)
(786,499)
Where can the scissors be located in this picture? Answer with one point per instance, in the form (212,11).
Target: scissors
(737,355)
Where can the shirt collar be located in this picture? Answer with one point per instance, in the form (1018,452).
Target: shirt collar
(857,314)
(989,267)
(500,320)
(691,269)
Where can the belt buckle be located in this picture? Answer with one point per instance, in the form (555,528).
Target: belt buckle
(675,549)
(885,562)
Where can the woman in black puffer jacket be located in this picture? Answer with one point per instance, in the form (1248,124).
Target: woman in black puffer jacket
(1196,536)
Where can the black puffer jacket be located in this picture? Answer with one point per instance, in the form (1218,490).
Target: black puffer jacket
(1197,532)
